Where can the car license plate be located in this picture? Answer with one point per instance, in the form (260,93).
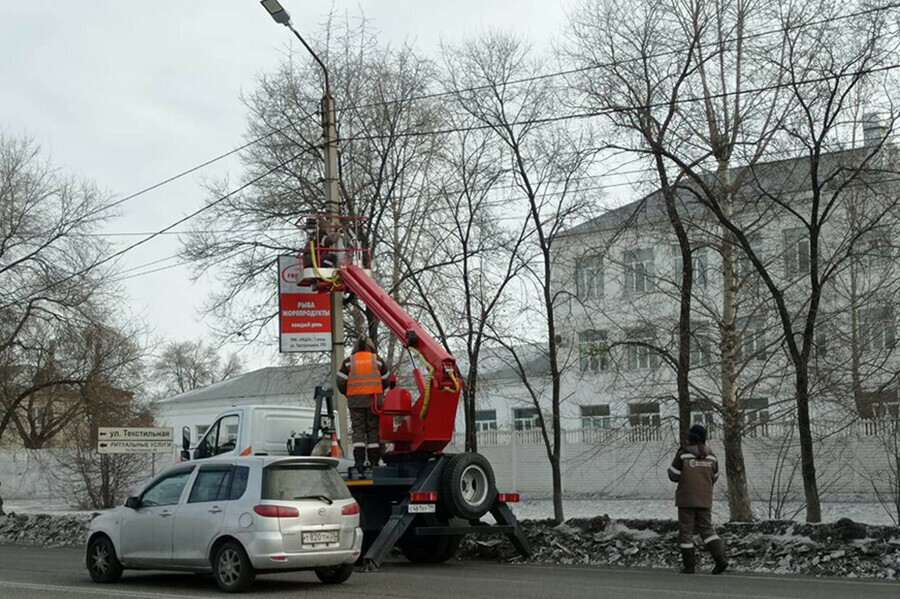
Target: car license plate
(316,538)
(421,508)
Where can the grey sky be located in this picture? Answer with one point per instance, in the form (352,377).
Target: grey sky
(128,93)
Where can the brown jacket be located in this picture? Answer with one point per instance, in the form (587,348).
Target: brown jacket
(696,470)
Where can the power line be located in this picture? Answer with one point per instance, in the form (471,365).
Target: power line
(554,74)
(614,63)
(618,109)
(165,229)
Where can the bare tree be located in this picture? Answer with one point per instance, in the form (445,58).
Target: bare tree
(384,166)
(185,365)
(643,64)
(49,275)
(547,167)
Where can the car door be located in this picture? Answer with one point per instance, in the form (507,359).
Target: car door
(147,530)
(199,519)
(220,439)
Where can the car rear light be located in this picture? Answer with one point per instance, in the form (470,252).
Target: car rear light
(277,511)
(508,497)
(351,509)
(278,558)
(423,496)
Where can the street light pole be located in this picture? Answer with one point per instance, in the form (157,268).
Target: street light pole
(333,200)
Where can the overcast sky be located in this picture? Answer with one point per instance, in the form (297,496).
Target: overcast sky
(129,93)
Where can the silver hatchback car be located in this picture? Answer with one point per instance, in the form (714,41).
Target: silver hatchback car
(235,518)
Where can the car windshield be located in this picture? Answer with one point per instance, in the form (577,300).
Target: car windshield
(303,481)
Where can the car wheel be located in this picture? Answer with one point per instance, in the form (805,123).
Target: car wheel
(102,563)
(469,486)
(335,575)
(232,568)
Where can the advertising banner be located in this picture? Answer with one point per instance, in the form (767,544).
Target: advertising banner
(304,316)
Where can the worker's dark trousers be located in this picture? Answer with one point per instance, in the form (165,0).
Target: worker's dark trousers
(364,430)
(698,521)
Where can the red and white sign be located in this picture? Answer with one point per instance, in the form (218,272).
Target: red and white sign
(304,317)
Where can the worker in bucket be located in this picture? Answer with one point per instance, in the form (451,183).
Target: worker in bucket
(363,377)
(696,471)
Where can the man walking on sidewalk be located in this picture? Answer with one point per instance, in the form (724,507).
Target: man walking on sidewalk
(696,471)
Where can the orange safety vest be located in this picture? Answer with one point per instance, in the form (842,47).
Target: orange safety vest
(364,377)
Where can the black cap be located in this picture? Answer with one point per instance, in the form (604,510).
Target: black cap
(697,434)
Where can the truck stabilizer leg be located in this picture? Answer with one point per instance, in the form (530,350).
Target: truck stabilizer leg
(401,519)
(391,533)
(504,516)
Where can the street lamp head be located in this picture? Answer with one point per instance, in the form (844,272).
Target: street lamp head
(277,11)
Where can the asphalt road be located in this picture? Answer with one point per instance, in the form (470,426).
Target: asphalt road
(28,572)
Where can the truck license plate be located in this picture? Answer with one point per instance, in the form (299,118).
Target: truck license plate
(315,538)
(421,508)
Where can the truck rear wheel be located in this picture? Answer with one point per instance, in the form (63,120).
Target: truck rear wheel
(469,487)
(429,549)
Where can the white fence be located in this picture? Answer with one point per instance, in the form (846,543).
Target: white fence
(632,461)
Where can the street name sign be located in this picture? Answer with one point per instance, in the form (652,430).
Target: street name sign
(135,440)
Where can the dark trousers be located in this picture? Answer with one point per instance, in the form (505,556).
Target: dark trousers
(695,520)
(364,427)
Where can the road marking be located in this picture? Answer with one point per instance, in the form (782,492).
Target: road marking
(91,590)
(729,575)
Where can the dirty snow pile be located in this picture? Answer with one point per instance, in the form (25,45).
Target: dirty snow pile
(45,529)
(843,548)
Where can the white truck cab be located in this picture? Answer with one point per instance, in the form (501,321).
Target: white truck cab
(249,430)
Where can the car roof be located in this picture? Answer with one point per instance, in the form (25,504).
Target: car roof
(266,460)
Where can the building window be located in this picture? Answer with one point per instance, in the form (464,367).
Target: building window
(589,277)
(643,414)
(641,357)
(700,346)
(595,416)
(876,247)
(752,343)
(593,351)
(877,328)
(705,417)
(638,270)
(881,404)
(525,419)
(699,262)
(485,420)
(745,267)
(201,430)
(796,252)
(755,413)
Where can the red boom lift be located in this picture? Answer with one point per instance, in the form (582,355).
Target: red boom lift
(423,500)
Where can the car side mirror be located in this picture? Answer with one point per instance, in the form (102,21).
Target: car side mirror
(133,503)
(185,438)
(185,455)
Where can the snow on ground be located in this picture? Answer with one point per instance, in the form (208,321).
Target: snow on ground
(637,509)
(617,509)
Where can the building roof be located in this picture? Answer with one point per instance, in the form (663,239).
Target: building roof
(265,382)
(299,381)
(790,176)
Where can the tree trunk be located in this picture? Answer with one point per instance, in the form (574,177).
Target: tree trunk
(469,410)
(556,470)
(738,495)
(807,460)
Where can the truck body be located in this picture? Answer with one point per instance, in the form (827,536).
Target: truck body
(251,430)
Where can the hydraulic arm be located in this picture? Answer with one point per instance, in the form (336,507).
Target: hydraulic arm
(425,425)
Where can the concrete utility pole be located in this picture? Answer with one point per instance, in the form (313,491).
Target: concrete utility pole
(333,200)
